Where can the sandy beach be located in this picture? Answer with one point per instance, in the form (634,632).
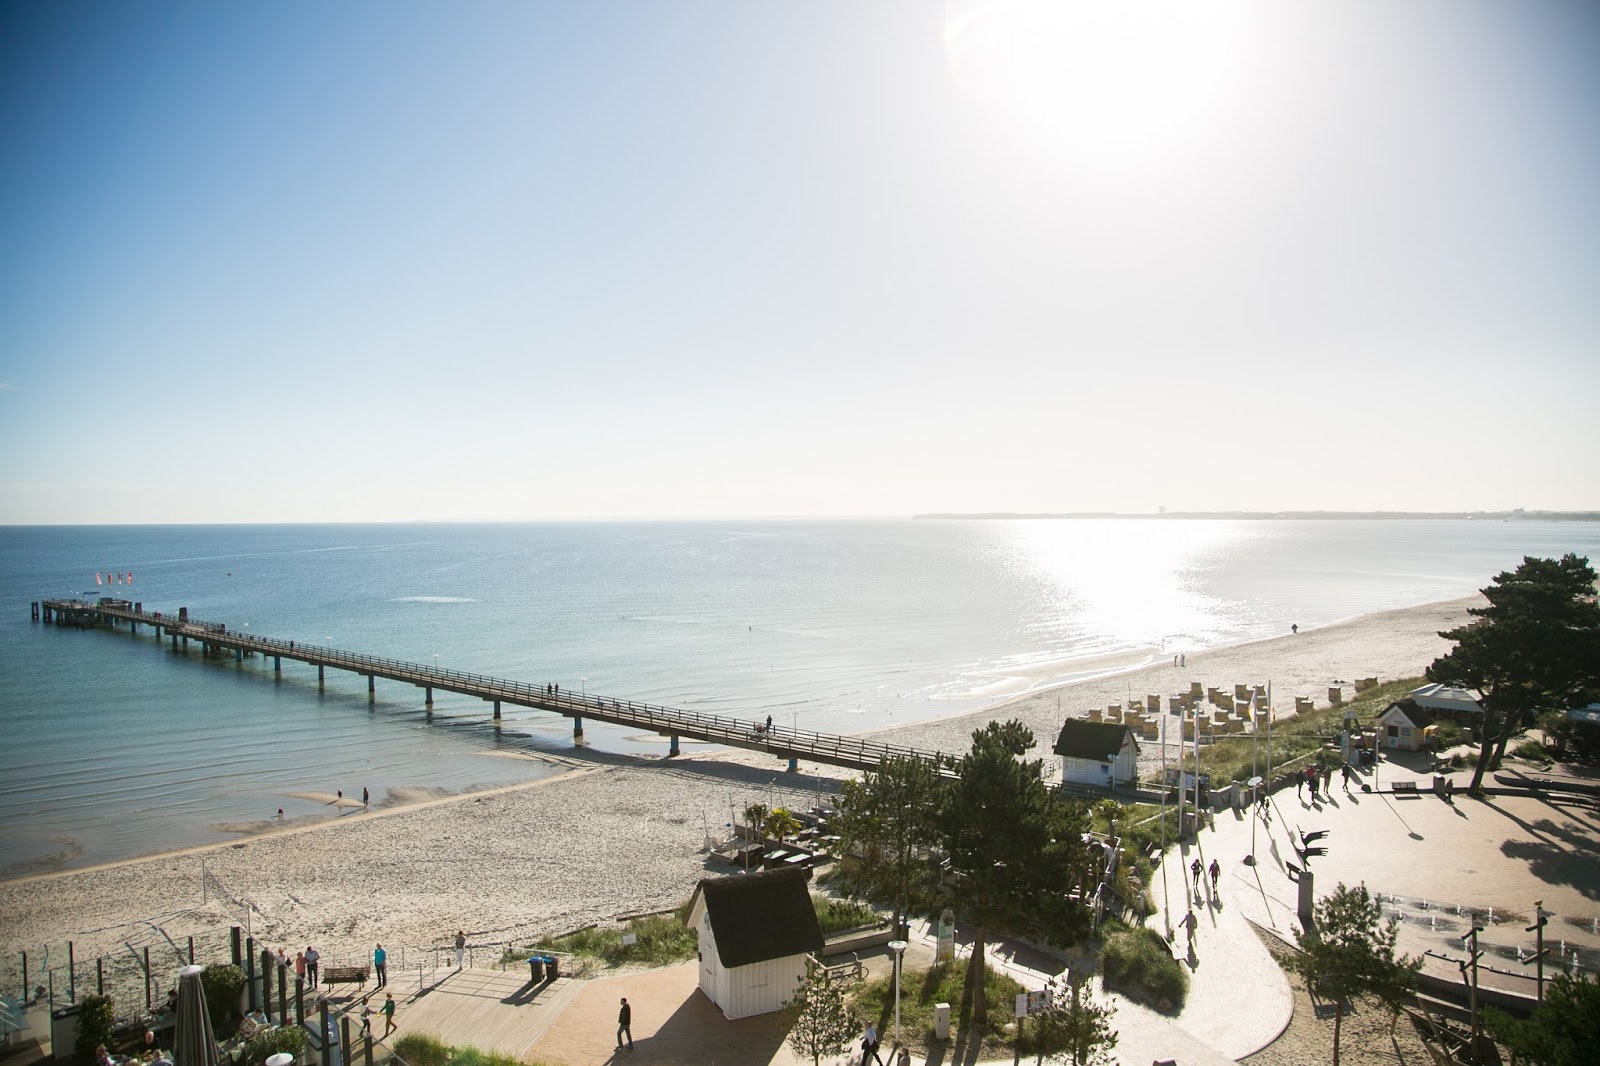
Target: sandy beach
(614,835)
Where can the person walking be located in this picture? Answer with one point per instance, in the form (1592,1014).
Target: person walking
(1344,772)
(366,1021)
(388,1013)
(1299,786)
(1196,869)
(869,1046)
(461,948)
(1216,872)
(300,965)
(380,963)
(311,964)
(625,1024)
(1189,923)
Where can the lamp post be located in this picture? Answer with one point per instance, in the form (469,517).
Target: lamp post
(584,689)
(899,949)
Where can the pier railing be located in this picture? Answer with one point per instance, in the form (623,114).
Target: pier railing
(792,743)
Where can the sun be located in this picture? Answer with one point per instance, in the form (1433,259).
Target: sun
(1112,80)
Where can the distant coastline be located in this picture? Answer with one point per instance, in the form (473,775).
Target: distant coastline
(1300,516)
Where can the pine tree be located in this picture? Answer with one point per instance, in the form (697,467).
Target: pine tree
(891,818)
(1350,951)
(820,1023)
(1536,646)
(1016,850)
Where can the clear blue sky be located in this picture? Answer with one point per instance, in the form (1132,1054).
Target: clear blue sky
(404,260)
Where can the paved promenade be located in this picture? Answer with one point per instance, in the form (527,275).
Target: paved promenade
(1437,865)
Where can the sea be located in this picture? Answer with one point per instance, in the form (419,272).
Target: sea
(116,745)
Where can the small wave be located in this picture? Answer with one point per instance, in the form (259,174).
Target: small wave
(433,599)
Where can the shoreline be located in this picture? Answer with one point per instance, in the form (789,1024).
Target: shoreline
(615,834)
(1200,659)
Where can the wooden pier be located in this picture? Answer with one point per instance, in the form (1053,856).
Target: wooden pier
(215,639)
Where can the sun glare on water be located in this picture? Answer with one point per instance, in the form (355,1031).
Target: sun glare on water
(1111,80)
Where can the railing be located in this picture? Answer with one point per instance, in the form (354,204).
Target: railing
(795,743)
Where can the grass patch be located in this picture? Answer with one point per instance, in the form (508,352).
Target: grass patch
(663,939)
(1137,961)
(1298,740)
(419,1049)
(943,983)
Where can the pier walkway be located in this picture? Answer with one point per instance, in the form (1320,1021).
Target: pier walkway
(216,639)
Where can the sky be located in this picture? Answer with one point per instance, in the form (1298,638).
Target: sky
(395,261)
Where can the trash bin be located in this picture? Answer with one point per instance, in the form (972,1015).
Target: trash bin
(552,968)
(941,1021)
(536,968)
(64,1032)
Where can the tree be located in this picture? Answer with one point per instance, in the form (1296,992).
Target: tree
(755,816)
(1350,951)
(819,1022)
(891,818)
(97,1024)
(779,823)
(1015,849)
(1535,646)
(1563,1031)
(1072,1023)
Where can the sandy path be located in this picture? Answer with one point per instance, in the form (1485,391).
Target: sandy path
(622,836)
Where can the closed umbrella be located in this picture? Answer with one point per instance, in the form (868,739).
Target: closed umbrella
(193,1043)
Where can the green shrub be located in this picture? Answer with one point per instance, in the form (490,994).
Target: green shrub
(836,914)
(1532,750)
(221,983)
(290,1039)
(1138,961)
(97,1022)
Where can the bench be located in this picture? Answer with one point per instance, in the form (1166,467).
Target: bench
(1403,786)
(345,975)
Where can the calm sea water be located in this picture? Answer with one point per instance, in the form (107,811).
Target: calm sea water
(116,746)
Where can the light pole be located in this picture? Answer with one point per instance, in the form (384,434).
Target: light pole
(584,690)
(899,949)
(436,662)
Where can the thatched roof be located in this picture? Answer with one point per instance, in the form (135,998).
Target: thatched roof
(759,917)
(1419,716)
(1100,741)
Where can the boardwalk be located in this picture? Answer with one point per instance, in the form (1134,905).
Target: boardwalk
(216,639)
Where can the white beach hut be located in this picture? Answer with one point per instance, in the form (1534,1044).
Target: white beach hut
(755,931)
(1097,753)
